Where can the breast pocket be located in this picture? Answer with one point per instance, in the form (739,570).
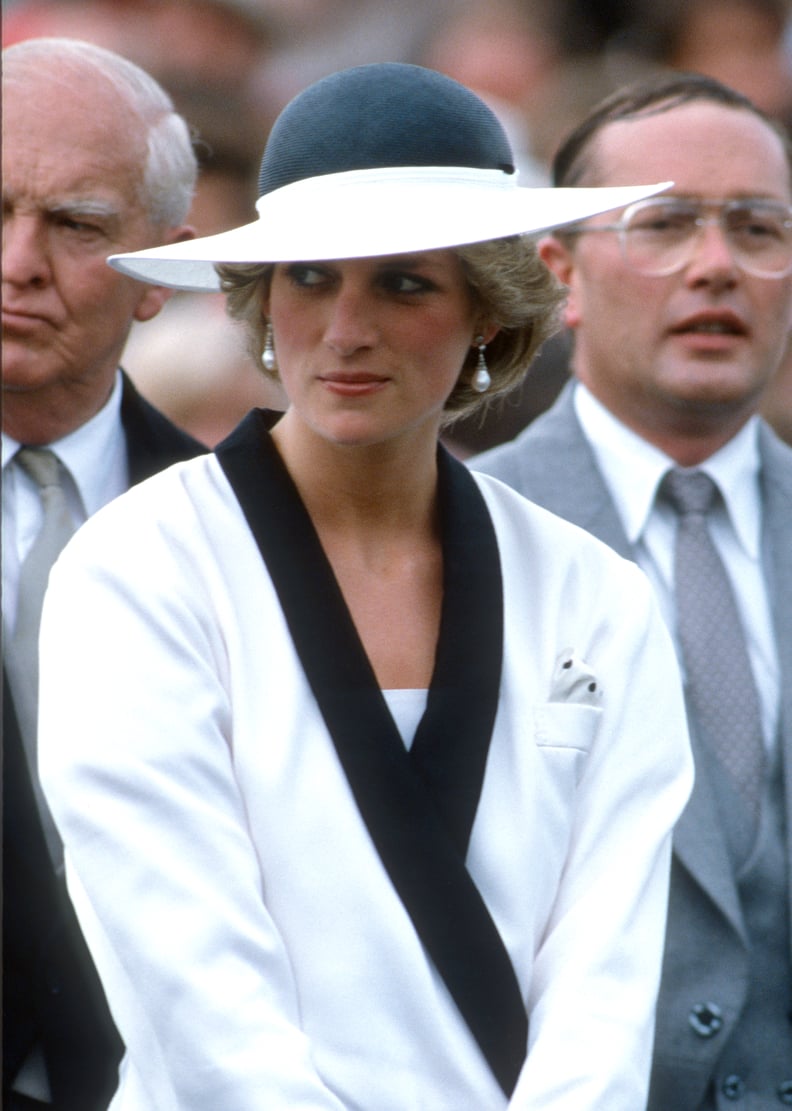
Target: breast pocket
(564,734)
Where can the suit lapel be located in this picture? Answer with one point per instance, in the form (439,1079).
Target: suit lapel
(418,806)
(700,845)
(584,500)
(777,552)
(153,442)
(452,741)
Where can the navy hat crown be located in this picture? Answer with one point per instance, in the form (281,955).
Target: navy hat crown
(378,160)
(380,115)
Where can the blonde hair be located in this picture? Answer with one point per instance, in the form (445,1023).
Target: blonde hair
(510,287)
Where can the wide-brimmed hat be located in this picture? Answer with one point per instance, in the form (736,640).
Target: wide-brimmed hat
(379,159)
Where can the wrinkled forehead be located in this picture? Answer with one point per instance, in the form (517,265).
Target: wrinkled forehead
(75,132)
(70,92)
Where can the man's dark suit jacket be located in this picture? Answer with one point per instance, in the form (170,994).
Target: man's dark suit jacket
(51,993)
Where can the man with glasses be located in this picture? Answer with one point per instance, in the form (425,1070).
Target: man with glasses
(681,308)
(660,236)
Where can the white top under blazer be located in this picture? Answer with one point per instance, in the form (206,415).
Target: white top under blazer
(255,954)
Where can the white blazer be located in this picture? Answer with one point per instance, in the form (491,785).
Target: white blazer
(254,952)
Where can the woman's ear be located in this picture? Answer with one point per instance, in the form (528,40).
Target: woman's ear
(487,331)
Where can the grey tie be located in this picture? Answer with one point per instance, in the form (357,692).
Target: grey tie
(721,690)
(22,654)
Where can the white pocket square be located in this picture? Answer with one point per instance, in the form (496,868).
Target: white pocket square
(574,681)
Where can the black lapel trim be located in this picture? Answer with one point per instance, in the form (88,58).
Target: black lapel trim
(420,824)
(452,740)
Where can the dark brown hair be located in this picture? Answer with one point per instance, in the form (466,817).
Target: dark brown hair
(572,164)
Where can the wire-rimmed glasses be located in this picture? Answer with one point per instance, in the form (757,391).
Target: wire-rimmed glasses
(659,236)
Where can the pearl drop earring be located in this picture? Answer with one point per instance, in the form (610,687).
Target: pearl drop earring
(268,359)
(482,379)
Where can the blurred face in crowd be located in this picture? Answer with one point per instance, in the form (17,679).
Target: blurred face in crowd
(695,348)
(73,154)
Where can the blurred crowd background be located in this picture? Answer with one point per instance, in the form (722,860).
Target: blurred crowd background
(231,65)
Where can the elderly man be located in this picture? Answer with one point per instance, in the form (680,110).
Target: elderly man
(681,309)
(95,160)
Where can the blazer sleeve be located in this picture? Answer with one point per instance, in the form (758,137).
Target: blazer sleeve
(136,760)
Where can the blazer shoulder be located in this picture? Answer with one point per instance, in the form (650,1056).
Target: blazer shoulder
(515,461)
(153,441)
(553,464)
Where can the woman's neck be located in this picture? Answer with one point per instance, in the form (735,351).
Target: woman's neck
(375,510)
(388,487)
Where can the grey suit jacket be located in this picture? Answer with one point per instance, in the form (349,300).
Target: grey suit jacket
(706,959)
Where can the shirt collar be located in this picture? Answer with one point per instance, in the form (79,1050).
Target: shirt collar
(90,453)
(633,469)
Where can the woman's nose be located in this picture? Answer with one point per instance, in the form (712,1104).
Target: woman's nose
(351,323)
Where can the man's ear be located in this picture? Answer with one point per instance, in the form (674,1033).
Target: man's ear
(153,297)
(558,257)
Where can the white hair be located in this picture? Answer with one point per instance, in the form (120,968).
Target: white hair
(171,168)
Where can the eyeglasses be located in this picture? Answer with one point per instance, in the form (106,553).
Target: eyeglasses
(659,236)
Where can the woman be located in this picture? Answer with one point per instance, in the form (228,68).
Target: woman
(366,768)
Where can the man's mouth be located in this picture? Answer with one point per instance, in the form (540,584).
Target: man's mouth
(21,317)
(726,325)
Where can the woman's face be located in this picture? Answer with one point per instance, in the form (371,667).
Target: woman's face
(371,348)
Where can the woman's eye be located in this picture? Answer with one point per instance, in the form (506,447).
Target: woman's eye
(307,276)
(405,283)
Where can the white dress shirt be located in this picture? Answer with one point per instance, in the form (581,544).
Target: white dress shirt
(633,470)
(96,460)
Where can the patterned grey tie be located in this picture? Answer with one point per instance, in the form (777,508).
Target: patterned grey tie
(21,661)
(720,685)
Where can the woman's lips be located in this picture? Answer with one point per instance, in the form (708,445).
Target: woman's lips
(356,385)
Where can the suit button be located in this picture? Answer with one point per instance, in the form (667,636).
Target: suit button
(785,1093)
(706,1019)
(733,1087)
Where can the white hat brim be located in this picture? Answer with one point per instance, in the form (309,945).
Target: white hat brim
(365,213)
